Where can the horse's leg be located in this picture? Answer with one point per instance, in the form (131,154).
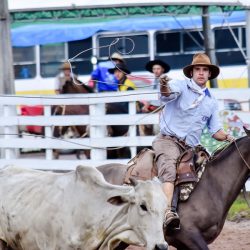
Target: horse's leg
(82,132)
(56,154)
(57,133)
(191,240)
(87,153)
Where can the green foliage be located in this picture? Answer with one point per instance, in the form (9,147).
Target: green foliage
(239,210)
(107,12)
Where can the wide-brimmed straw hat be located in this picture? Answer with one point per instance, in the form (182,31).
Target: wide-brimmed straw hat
(66,65)
(120,66)
(117,56)
(150,64)
(201,59)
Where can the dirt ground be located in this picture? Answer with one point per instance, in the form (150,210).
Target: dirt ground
(234,236)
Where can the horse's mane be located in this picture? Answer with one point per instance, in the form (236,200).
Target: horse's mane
(219,150)
(224,149)
(88,88)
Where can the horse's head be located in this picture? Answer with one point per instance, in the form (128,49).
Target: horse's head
(247,131)
(76,87)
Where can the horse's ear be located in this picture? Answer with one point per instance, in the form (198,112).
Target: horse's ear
(247,131)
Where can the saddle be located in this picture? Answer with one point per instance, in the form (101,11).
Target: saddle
(189,163)
(190,166)
(141,167)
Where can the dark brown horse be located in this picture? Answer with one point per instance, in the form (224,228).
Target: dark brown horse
(204,213)
(72,87)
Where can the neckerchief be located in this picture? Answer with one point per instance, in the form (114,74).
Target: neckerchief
(197,89)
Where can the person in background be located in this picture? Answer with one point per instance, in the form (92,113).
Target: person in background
(25,73)
(189,108)
(64,75)
(157,67)
(102,78)
(121,71)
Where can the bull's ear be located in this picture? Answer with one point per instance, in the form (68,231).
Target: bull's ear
(122,199)
(116,200)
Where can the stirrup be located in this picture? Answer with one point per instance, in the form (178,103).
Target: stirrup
(172,221)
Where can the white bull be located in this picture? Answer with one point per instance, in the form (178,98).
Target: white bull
(78,210)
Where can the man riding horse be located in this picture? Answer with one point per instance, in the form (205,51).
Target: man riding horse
(64,76)
(189,107)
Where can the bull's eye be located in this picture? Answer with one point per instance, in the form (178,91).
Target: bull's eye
(143,207)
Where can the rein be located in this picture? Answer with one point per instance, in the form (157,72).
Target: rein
(244,188)
(241,156)
(248,166)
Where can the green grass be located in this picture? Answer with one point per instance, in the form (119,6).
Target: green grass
(239,210)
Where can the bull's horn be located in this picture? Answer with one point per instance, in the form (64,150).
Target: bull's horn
(133,181)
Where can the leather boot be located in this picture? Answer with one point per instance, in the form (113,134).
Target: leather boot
(172,220)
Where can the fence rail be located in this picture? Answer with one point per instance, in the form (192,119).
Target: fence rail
(97,120)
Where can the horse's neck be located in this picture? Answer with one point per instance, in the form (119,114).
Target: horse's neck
(227,174)
(80,89)
(74,88)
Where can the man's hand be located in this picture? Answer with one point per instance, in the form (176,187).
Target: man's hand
(230,138)
(164,79)
(164,88)
(221,135)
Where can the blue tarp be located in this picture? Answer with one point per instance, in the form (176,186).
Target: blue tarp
(34,34)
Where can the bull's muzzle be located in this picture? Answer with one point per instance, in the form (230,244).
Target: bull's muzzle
(163,246)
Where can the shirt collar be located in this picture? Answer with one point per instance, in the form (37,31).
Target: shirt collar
(207,92)
(194,86)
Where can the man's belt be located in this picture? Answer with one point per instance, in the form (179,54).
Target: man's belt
(181,143)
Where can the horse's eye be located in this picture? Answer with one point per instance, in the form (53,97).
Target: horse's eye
(143,207)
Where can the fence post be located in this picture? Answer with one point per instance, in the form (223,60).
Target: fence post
(48,133)
(10,131)
(132,128)
(97,132)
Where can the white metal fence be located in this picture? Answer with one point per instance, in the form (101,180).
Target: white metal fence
(97,119)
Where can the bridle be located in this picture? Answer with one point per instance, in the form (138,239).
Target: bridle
(247,165)
(244,188)
(241,156)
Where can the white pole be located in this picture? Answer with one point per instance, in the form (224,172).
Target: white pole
(132,129)
(248,45)
(6,70)
(97,132)
(48,133)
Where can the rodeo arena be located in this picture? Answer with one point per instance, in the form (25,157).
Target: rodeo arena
(125,125)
